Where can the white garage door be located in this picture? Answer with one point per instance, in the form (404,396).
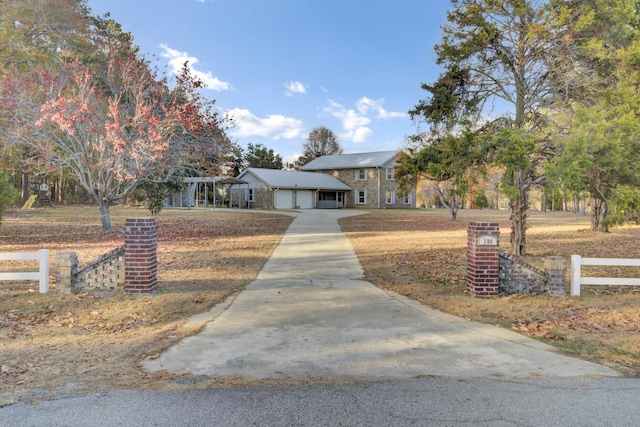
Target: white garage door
(304,199)
(284,199)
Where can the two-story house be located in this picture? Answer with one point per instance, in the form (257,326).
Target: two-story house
(361,180)
(370,176)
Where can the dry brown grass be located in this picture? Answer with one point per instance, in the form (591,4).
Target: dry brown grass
(97,339)
(421,254)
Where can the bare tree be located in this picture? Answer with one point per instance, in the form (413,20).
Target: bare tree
(320,142)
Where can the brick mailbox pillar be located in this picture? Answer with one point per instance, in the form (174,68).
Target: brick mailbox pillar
(483,259)
(140,255)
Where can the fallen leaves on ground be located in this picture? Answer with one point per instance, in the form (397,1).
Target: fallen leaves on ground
(96,339)
(422,254)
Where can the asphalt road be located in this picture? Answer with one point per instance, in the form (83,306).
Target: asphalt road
(443,401)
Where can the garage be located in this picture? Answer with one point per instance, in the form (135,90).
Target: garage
(283,199)
(304,199)
(285,189)
(294,199)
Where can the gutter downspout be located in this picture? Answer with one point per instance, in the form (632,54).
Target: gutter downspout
(275,190)
(379,186)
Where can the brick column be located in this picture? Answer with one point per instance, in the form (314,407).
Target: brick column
(483,259)
(140,255)
(556,266)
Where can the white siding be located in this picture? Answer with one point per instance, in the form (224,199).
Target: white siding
(253,181)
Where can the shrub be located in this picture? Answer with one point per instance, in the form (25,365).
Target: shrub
(481,201)
(8,193)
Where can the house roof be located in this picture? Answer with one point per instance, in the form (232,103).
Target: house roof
(215,179)
(351,161)
(294,179)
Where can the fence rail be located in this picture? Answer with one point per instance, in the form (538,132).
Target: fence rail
(42,275)
(576,280)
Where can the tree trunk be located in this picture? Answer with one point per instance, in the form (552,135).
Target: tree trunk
(59,189)
(598,214)
(104,215)
(519,207)
(452,206)
(25,191)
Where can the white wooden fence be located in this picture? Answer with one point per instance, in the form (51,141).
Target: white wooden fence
(576,280)
(42,275)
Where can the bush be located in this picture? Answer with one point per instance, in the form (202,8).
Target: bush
(625,207)
(8,193)
(481,201)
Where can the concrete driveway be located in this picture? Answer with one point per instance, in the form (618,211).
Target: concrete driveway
(309,316)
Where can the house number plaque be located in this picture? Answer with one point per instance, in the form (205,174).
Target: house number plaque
(487,240)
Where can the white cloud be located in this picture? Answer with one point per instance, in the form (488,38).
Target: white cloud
(291,158)
(177,60)
(364,105)
(293,88)
(354,122)
(358,135)
(324,89)
(274,126)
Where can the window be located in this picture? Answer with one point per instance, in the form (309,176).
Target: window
(361,197)
(391,197)
(391,174)
(250,195)
(407,199)
(361,174)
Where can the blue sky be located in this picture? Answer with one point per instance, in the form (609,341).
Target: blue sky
(284,67)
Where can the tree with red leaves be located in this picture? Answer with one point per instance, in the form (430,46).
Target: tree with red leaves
(118,125)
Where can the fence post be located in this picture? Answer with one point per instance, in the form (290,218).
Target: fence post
(575,275)
(44,270)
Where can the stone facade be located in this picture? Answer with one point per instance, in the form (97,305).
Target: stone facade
(104,272)
(518,277)
(262,198)
(380,190)
(556,268)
